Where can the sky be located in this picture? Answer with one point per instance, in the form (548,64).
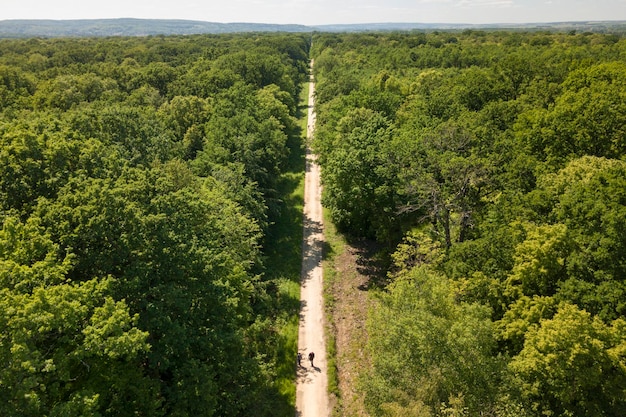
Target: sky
(319,12)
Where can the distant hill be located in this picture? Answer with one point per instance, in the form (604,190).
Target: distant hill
(145,27)
(132,27)
(599,26)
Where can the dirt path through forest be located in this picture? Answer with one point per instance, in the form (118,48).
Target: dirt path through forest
(312,379)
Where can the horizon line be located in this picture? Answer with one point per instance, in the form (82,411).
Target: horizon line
(552,22)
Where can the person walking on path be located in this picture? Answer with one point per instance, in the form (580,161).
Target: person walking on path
(299,359)
(311,356)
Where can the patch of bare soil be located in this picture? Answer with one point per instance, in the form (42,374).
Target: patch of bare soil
(354,274)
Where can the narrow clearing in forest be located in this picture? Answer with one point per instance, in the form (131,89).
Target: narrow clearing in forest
(312,382)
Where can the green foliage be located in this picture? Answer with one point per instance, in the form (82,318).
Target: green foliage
(171,247)
(57,340)
(67,91)
(14,85)
(183,113)
(138,180)
(573,364)
(587,118)
(525,313)
(248,133)
(588,197)
(499,175)
(358,176)
(429,350)
(539,261)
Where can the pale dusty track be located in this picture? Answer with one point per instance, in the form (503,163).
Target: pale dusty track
(312,382)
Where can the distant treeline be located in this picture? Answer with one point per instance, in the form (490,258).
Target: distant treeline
(133,27)
(139,182)
(147,27)
(491,167)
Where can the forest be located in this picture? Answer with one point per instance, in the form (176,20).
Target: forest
(147,220)
(490,169)
(142,196)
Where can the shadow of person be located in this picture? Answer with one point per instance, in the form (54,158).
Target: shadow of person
(316,369)
(303,375)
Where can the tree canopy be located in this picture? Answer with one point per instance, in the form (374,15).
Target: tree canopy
(138,185)
(489,165)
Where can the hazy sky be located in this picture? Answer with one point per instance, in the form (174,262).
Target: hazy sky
(312,12)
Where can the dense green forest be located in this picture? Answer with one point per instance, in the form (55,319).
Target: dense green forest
(141,185)
(142,197)
(490,167)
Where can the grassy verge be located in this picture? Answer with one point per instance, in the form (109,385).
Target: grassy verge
(284,259)
(348,272)
(334,245)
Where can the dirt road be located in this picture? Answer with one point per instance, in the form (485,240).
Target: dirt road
(312,379)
